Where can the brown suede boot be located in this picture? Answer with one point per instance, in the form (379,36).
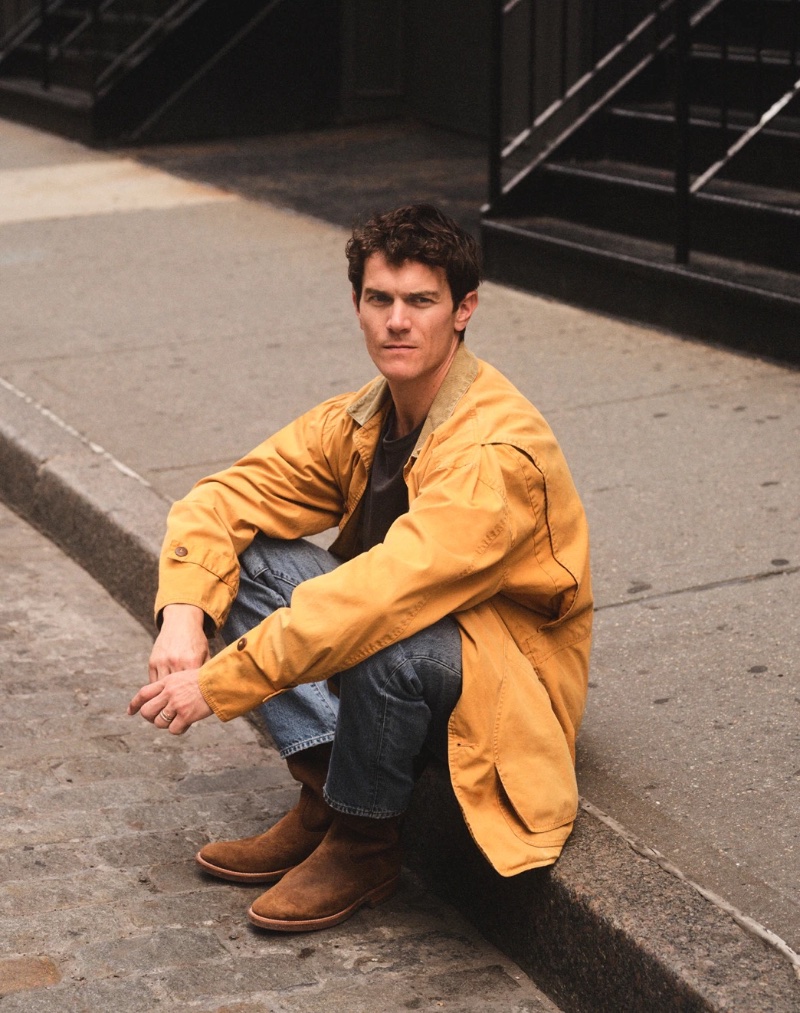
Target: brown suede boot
(358,863)
(268,856)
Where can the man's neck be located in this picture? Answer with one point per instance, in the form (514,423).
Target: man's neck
(408,417)
(412,401)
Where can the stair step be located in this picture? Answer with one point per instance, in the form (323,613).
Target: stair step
(743,84)
(729,219)
(734,192)
(745,54)
(774,22)
(106,36)
(56,95)
(57,109)
(70,68)
(636,135)
(716,299)
(739,272)
(788,122)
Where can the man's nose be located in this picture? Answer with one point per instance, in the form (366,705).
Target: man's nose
(398,317)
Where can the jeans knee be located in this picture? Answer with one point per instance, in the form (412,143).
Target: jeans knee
(382,676)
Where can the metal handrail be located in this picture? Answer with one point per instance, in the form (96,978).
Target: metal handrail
(15,18)
(652,35)
(746,138)
(626,58)
(580,85)
(13,29)
(37,15)
(177,9)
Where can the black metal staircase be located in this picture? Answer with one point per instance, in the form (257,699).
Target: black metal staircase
(130,70)
(660,178)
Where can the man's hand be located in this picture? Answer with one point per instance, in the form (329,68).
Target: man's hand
(173,702)
(181,644)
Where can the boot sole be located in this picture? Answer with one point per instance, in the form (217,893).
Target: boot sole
(240,877)
(372,898)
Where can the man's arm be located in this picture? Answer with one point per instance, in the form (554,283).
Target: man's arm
(285,488)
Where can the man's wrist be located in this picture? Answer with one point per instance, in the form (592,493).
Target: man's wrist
(185,614)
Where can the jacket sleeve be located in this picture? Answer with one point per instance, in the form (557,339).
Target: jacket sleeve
(287,488)
(448,553)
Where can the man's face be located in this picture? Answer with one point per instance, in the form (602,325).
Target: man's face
(409,321)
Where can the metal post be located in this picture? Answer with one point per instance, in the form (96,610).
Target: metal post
(533,63)
(95,63)
(496,107)
(44,46)
(762,25)
(564,45)
(682,101)
(724,99)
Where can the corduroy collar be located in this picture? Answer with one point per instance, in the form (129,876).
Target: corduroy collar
(460,376)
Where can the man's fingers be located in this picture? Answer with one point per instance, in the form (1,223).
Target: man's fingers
(145,694)
(173,702)
(179,725)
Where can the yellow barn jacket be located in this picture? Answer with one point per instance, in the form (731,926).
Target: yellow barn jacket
(495,535)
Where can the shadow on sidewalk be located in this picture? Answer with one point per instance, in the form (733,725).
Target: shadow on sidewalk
(336,173)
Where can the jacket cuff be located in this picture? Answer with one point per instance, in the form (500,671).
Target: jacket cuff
(233,684)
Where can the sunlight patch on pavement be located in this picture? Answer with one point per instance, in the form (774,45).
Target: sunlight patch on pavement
(98,187)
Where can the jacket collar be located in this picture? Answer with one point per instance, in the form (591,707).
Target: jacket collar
(462,372)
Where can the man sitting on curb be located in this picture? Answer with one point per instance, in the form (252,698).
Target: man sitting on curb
(451,616)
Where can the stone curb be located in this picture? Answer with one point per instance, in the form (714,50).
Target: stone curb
(602,930)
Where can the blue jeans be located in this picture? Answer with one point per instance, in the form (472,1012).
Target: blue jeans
(392,707)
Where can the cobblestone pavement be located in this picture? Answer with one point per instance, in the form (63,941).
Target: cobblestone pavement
(101,906)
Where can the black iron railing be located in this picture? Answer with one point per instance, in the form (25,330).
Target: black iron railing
(559,62)
(103,35)
(15,16)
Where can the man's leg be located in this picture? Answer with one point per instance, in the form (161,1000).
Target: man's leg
(393,706)
(271,569)
(301,721)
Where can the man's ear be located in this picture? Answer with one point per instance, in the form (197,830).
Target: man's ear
(465,309)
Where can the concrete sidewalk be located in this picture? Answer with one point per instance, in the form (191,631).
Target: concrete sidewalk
(154,330)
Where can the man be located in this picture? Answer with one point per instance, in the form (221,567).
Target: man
(452,614)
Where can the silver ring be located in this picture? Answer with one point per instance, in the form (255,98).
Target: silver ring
(167,718)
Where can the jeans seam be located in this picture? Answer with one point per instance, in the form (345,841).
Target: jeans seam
(298,747)
(354,810)
(427,659)
(275,573)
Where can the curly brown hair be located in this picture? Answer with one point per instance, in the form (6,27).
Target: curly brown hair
(419,232)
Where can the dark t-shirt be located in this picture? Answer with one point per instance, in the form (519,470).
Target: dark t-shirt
(386,495)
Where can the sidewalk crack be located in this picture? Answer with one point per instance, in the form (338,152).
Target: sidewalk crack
(699,588)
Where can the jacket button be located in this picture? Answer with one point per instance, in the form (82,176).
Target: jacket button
(242,644)
(181,551)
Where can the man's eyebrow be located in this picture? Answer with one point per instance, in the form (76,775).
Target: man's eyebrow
(429,293)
